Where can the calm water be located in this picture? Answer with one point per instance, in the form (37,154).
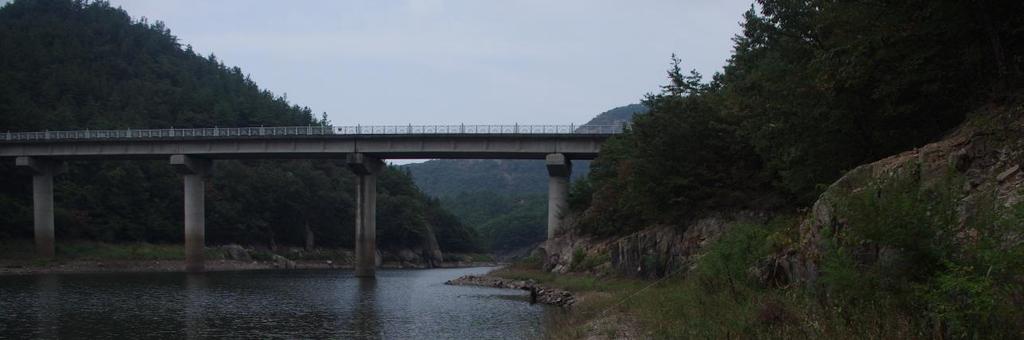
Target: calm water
(399,304)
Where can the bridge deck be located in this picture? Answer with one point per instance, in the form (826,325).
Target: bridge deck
(309,142)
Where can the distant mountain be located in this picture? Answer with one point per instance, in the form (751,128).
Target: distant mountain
(504,200)
(619,115)
(447,177)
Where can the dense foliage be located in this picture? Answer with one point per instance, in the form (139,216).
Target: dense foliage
(813,88)
(84,65)
(505,222)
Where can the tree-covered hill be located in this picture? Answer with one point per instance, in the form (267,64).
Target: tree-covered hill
(504,199)
(449,177)
(84,65)
(618,115)
(812,89)
(734,186)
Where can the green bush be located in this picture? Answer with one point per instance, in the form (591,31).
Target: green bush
(728,260)
(903,246)
(581,262)
(578,256)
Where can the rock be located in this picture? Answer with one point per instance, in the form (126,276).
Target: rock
(236,252)
(650,253)
(986,156)
(406,255)
(545,295)
(431,251)
(282,262)
(1003,175)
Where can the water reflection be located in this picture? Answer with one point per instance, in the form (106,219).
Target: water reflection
(195,291)
(47,306)
(399,304)
(365,322)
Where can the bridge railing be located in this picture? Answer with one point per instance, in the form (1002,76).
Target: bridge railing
(313,131)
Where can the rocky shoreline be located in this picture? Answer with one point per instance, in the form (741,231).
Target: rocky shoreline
(169,266)
(231,257)
(538,293)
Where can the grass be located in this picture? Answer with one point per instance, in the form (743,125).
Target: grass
(686,308)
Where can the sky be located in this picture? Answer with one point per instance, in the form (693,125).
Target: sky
(460,61)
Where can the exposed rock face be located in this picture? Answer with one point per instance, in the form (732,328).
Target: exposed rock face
(408,258)
(426,255)
(431,251)
(986,151)
(650,253)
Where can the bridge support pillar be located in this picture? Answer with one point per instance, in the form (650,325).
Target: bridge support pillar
(559,170)
(43,171)
(366,169)
(194,172)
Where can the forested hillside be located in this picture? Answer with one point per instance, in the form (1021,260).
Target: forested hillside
(448,177)
(813,89)
(85,65)
(505,200)
(723,182)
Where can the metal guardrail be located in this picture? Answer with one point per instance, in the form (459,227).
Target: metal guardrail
(314,131)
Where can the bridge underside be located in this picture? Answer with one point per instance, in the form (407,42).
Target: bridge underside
(192,158)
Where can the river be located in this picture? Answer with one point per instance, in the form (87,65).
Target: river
(398,304)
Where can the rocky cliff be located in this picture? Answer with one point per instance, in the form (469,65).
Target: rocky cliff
(654,252)
(977,164)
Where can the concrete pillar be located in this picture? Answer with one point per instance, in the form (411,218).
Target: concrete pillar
(194,171)
(42,171)
(366,169)
(559,170)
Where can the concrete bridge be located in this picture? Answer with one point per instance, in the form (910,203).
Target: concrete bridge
(192,151)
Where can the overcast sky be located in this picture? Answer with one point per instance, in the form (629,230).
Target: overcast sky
(427,62)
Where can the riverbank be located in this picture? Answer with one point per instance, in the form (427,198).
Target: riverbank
(602,308)
(17,258)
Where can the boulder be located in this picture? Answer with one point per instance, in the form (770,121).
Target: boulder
(282,262)
(236,252)
(407,255)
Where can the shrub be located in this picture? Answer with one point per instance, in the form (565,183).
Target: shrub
(904,246)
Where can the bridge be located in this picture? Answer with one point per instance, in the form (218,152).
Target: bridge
(191,152)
